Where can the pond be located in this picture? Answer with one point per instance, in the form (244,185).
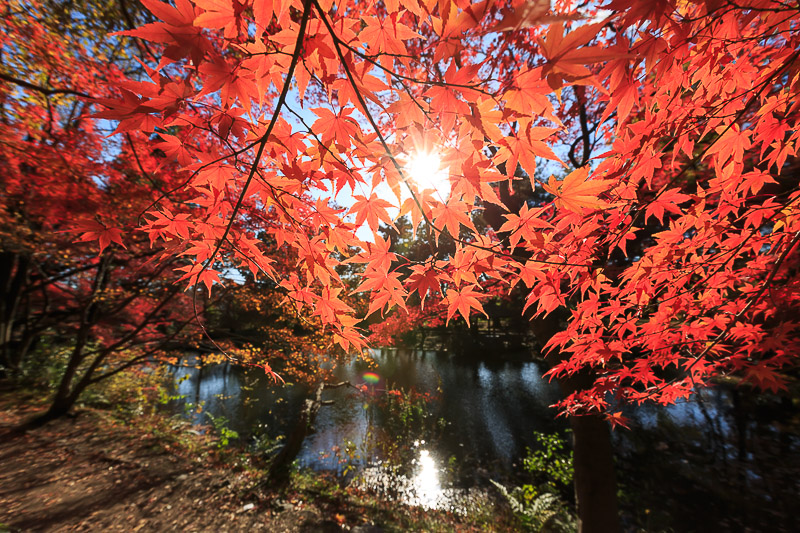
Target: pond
(479,419)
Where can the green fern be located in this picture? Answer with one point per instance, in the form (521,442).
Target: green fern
(542,512)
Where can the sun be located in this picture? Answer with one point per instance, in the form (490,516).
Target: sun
(425,169)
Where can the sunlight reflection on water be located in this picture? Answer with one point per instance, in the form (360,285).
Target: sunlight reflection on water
(423,489)
(426,482)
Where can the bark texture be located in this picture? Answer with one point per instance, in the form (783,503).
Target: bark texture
(593,456)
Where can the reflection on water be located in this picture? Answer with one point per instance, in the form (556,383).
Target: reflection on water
(678,456)
(489,411)
(424,488)
(486,417)
(426,482)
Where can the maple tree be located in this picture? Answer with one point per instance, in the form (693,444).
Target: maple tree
(711,188)
(77,297)
(668,258)
(83,290)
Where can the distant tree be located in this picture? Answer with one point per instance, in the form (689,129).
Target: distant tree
(83,288)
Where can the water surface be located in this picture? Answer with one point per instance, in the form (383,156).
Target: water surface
(729,459)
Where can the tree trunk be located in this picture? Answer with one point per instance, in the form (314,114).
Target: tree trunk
(14,270)
(59,406)
(593,461)
(68,389)
(66,394)
(593,455)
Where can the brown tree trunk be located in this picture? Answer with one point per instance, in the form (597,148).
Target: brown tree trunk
(14,270)
(593,455)
(593,461)
(68,390)
(66,394)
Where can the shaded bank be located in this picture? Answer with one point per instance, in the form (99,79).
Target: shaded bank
(96,472)
(730,447)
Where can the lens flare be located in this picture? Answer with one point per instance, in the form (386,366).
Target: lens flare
(371,377)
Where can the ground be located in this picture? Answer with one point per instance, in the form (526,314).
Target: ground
(94,472)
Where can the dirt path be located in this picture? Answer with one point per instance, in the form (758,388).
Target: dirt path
(91,474)
(94,473)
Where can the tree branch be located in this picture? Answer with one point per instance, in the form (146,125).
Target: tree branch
(45,91)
